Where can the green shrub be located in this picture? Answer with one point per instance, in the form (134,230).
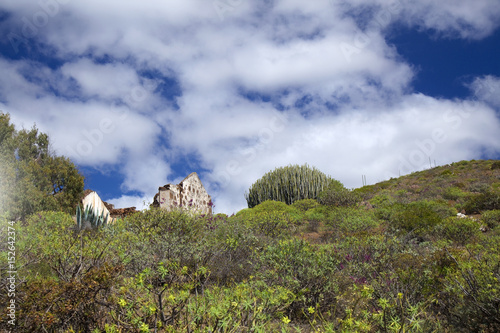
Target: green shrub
(348,220)
(495,165)
(232,246)
(289,184)
(471,298)
(446,173)
(459,230)
(314,217)
(270,218)
(333,196)
(479,187)
(305,204)
(304,269)
(454,193)
(67,274)
(491,218)
(382,199)
(478,202)
(157,220)
(417,217)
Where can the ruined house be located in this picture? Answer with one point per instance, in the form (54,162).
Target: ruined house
(188,194)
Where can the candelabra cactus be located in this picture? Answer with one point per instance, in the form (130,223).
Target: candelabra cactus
(289,184)
(88,218)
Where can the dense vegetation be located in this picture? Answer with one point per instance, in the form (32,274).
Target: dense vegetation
(392,257)
(32,177)
(289,184)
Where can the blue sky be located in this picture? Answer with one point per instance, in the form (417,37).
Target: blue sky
(140,94)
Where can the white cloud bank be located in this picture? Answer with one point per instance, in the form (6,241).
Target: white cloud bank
(341,90)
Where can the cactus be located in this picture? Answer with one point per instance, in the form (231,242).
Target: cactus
(89,218)
(289,184)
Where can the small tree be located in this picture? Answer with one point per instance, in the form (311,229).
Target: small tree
(32,178)
(289,184)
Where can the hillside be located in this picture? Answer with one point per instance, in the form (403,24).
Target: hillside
(456,183)
(390,257)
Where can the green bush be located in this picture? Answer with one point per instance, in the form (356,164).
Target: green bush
(305,204)
(233,245)
(487,200)
(382,199)
(454,193)
(417,217)
(304,269)
(67,274)
(459,230)
(470,300)
(314,217)
(289,184)
(491,218)
(270,218)
(349,220)
(334,196)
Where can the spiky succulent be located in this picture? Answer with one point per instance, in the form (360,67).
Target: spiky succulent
(289,184)
(88,218)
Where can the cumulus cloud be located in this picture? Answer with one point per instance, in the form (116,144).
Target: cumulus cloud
(448,18)
(262,84)
(487,89)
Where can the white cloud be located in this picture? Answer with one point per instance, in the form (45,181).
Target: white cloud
(103,80)
(450,18)
(359,117)
(372,142)
(126,201)
(487,89)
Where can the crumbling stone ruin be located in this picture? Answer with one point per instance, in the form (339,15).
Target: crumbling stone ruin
(188,194)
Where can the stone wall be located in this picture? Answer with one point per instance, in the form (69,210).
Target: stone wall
(189,194)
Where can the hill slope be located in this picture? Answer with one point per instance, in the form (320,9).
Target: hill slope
(458,183)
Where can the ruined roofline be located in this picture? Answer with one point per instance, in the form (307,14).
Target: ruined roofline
(166,186)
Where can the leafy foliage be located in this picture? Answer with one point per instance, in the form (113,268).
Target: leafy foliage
(488,200)
(33,178)
(402,261)
(459,230)
(270,218)
(491,218)
(418,217)
(340,197)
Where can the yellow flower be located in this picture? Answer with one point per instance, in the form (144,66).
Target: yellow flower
(234,304)
(400,295)
(310,309)
(122,302)
(285,320)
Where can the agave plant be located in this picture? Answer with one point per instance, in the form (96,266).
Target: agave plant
(88,218)
(289,184)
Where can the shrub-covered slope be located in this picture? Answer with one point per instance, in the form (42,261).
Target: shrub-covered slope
(460,184)
(391,257)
